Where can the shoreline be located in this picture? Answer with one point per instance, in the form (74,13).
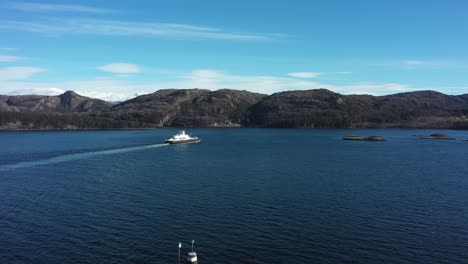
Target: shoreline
(227,127)
(71,130)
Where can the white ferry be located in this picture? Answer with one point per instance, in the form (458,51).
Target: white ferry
(182,137)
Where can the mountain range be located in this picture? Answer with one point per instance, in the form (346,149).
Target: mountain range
(318,108)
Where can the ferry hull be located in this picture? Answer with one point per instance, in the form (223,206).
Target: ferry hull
(187,141)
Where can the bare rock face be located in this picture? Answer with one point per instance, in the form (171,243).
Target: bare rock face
(160,107)
(189,108)
(69,102)
(311,108)
(224,108)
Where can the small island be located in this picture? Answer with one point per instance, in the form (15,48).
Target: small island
(361,138)
(441,136)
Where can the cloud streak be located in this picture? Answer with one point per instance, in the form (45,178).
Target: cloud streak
(124,68)
(213,80)
(308,75)
(414,62)
(304,74)
(9,58)
(18,73)
(122,28)
(417,64)
(42,7)
(39,91)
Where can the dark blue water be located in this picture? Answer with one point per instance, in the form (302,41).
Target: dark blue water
(244,195)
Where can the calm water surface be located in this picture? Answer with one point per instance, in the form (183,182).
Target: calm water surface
(244,195)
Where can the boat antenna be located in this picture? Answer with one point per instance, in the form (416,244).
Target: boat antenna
(193,242)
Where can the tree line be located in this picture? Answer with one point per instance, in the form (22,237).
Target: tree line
(33,120)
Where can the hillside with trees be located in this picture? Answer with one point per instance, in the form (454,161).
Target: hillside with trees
(319,108)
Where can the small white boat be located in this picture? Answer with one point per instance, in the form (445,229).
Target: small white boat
(192,257)
(181,138)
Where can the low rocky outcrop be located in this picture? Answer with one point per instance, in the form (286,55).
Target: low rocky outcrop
(361,138)
(441,136)
(374,138)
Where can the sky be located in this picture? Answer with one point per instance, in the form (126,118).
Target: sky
(115,50)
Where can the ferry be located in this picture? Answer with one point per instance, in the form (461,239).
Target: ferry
(182,137)
(191,257)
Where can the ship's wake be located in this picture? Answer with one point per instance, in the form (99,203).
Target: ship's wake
(76,156)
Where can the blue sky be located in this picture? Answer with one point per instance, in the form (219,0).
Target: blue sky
(116,49)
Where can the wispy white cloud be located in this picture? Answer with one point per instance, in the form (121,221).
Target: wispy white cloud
(213,80)
(304,74)
(43,7)
(9,58)
(18,73)
(427,64)
(314,74)
(7,49)
(123,68)
(39,91)
(123,28)
(414,62)
(106,89)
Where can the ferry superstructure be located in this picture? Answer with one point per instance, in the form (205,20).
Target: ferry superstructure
(181,138)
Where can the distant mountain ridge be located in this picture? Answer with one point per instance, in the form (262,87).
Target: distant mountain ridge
(68,102)
(323,108)
(318,108)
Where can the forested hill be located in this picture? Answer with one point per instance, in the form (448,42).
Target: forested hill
(191,108)
(326,109)
(232,108)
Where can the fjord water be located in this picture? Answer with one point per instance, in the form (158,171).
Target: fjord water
(244,195)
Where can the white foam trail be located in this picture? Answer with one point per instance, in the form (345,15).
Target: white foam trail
(70,157)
